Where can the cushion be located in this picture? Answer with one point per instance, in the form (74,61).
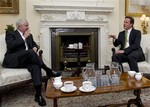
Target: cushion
(2,47)
(144,67)
(10,76)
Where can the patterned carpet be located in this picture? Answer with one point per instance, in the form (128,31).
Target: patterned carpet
(24,97)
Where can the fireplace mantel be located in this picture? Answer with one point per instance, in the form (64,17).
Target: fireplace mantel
(74,13)
(52,8)
(60,16)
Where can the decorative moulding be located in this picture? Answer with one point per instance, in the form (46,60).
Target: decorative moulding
(73,13)
(52,8)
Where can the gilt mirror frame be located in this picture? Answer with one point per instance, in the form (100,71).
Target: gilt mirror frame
(136,9)
(9,6)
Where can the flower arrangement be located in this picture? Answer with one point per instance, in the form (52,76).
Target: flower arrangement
(10,28)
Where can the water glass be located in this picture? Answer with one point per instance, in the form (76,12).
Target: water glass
(93,80)
(115,79)
(105,81)
(98,74)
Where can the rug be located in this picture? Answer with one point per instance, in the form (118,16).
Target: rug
(24,97)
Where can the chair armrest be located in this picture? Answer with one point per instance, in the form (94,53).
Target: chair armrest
(147,54)
(113,51)
(40,53)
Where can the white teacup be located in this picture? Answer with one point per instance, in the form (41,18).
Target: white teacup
(131,73)
(138,76)
(87,85)
(68,85)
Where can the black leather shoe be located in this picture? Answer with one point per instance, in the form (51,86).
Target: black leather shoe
(40,100)
(56,74)
(51,73)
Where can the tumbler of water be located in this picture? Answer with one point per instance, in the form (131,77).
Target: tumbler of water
(105,81)
(93,80)
(115,79)
(98,74)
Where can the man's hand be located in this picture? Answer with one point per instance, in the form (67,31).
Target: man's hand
(119,51)
(26,34)
(35,49)
(112,36)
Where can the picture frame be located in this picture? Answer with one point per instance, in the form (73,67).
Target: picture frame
(137,8)
(9,6)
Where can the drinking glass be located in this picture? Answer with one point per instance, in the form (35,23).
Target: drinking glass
(98,74)
(93,80)
(105,80)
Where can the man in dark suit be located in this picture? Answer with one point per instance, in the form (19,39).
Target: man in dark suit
(130,50)
(22,53)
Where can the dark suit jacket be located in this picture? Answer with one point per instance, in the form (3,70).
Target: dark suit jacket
(134,43)
(16,46)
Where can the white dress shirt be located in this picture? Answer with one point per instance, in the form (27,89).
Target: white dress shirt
(23,39)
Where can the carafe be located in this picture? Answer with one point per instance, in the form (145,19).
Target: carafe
(115,72)
(105,80)
(90,72)
(90,69)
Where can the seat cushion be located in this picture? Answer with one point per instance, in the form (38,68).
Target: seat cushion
(2,47)
(10,76)
(144,67)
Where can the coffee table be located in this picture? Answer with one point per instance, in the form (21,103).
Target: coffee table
(127,83)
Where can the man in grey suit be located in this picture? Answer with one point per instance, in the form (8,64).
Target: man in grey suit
(22,53)
(130,50)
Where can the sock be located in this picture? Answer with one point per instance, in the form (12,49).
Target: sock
(38,90)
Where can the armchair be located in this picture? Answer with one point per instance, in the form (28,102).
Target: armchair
(144,66)
(10,77)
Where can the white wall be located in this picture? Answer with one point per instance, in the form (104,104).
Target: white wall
(6,19)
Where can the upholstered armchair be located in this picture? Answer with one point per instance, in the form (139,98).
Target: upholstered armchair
(144,66)
(12,77)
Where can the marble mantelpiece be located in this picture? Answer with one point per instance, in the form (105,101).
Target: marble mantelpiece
(61,16)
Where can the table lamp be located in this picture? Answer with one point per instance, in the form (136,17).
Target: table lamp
(144,23)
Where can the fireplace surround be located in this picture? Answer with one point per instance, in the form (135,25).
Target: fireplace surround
(63,56)
(61,16)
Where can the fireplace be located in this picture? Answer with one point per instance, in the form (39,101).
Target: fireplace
(62,56)
(70,17)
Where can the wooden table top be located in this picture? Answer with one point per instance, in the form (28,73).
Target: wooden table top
(126,84)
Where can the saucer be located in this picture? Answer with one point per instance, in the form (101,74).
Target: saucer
(83,90)
(63,89)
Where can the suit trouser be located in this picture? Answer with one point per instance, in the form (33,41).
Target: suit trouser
(131,58)
(32,62)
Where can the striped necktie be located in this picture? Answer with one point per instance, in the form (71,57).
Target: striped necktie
(125,41)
